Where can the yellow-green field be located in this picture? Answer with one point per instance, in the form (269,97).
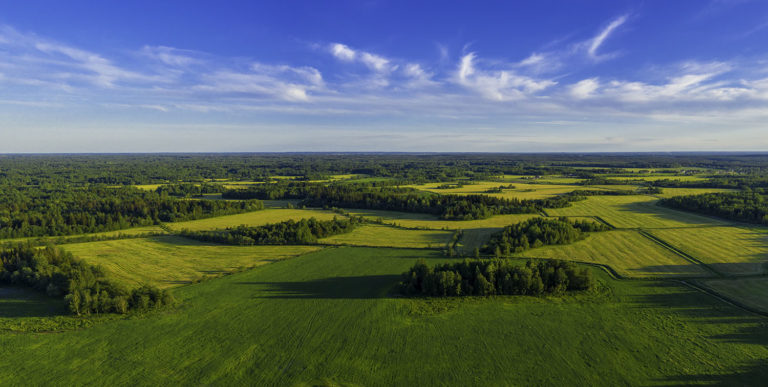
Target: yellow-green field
(729,250)
(634,211)
(106,234)
(626,251)
(413,220)
(387,236)
(748,291)
(256,218)
(670,192)
(168,261)
(521,190)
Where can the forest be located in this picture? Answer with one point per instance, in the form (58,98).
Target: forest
(495,277)
(86,288)
(301,232)
(537,232)
(59,210)
(746,206)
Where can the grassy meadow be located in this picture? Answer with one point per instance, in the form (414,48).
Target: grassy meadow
(729,250)
(328,318)
(167,261)
(387,236)
(255,218)
(626,251)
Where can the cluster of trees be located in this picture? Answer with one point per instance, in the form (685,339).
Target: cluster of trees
(492,277)
(189,189)
(536,232)
(747,206)
(291,232)
(85,287)
(55,211)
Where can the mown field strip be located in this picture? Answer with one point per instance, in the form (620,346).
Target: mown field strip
(387,236)
(168,261)
(729,250)
(627,252)
(255,218)
(634,211)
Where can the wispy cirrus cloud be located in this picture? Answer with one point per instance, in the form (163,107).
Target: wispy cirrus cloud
(600,38)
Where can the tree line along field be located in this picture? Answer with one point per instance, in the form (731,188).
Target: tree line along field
(678,300)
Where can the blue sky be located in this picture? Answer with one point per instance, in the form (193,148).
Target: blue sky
(498,76)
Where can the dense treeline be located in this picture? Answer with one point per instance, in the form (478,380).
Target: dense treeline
(304,231)
(495,277)
(537,232)
(751,207)
(189,189)
(35,211)
(85,287)
(166,168)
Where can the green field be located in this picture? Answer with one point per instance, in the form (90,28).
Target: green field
(388,236)
(671,192)
(748,291)
(729,250)
(634,211)
(171,261)
(626,251)
(326,318)
(256,218)
(426,221)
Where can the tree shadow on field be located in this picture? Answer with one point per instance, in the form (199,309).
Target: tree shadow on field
(358,287)
(729,325)
(24,302)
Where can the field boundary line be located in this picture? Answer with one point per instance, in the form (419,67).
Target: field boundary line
(723,298)
(678,252)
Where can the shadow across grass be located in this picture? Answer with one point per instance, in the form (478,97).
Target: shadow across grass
(24,302)
(743,327)
(357,287)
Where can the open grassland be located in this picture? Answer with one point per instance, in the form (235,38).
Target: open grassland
(388,236)
(671,192)
(521,190)
(635,211)
(729,250)
(626,251)
(326,319)
(255,218)
(748,291)
(413,220)
(170,261)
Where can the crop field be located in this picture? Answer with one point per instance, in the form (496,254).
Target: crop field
(627,252)
(413,220)
(388,236)
(327,318)
(671,192)
(635,211)
(748,291)
(521,190)
(729,250)
(255,218)
(168,261)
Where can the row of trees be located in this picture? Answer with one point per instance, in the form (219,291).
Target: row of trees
(492,277)
(537,232)
(85,287)
(189,189)
(55,211)
(751,207)
(291,232)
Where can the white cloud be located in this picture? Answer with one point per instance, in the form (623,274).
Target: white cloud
(284,82)
(169,55)
(598,40)
(584,88)
(498,85)
(375,62)
(343,52)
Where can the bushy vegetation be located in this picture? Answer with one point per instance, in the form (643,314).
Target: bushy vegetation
(751,207)
(490,277)
(537,232)
(85,287)
(36,211)
(189,189)
(302,232)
